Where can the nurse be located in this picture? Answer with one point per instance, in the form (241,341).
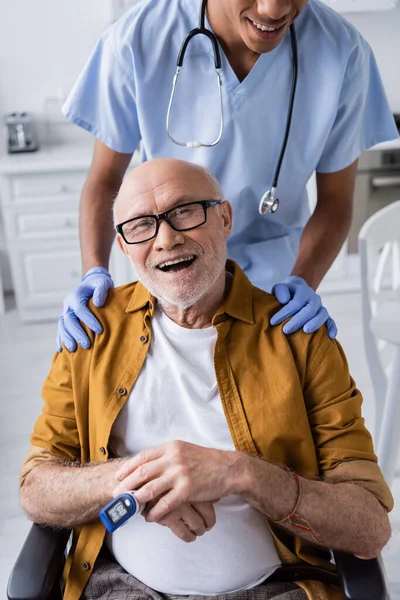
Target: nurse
(339,110)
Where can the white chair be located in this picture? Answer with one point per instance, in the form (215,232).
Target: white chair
(379,247)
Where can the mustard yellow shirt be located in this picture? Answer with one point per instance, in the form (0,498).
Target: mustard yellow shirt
(290,399)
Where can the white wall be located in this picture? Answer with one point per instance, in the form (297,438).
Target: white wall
(44,44)
(382,30)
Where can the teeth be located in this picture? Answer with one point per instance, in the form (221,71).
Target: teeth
(264,27)
(168,263)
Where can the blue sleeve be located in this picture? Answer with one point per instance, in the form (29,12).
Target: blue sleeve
(103,98)
(363,117)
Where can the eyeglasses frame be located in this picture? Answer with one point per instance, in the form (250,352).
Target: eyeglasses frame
(164,217)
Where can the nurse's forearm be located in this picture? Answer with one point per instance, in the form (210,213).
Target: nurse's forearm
(96,230)
(95,218)
(59,495)
(328,227)
(321,242)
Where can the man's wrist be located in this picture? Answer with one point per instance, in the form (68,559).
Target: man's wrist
(267,487)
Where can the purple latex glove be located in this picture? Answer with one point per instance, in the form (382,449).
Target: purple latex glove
(96,283)
(304,305)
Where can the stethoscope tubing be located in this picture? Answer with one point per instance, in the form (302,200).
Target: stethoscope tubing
(268,202)
(295,64)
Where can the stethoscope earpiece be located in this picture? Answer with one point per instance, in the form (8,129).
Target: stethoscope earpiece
(268,203)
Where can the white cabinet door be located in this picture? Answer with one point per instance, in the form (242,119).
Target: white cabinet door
(44,273)
(48,273)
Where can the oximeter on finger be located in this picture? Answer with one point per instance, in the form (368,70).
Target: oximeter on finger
(120,510)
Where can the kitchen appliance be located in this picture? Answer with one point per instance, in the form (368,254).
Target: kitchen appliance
(377,185)
(21,133)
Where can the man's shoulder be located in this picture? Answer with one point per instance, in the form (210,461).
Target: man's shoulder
(117,302)
(265,305)
(305,346)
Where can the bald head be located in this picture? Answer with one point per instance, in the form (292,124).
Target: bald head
(156,185)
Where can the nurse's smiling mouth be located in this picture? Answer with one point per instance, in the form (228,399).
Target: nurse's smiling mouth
(268,32)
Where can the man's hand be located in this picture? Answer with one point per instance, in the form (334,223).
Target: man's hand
(189,520)
(176,473)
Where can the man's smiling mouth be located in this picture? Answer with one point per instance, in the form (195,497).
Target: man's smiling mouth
(177,264)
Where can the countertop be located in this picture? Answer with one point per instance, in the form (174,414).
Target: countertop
(62,157)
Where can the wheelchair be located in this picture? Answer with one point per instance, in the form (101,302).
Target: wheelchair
(37,573)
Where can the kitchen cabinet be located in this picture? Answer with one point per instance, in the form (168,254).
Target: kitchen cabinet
(40,210)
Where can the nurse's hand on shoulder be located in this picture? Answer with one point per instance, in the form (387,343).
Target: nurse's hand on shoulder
(303,305)
(96,283)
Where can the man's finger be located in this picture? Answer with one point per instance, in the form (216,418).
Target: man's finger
(165,505)
(141,458)
(148,492)
(181,530)
(207,512)
(143,474)
(190,517)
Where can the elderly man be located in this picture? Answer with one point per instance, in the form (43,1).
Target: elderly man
(243,440)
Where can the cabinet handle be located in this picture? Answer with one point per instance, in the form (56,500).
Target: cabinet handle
(69,223)
(75,275)
(64,188)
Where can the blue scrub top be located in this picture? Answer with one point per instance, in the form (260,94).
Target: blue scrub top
(340,110)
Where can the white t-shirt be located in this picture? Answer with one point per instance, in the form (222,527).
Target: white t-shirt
(176,398)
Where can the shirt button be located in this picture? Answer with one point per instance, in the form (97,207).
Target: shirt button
(144,339)
(102,450)
(85,566)
(122,391)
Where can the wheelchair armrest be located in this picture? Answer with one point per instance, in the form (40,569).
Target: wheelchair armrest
(361,579)
(38,564)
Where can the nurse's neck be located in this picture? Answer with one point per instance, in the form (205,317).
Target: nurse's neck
(241,58)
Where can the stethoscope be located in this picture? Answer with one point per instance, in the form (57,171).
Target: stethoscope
(268,203)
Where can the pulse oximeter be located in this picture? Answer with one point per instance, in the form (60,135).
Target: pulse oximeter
(119,511)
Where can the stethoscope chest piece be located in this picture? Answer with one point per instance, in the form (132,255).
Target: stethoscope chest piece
(268,203)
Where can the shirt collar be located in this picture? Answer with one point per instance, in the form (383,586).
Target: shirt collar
(140,298)
(238,304)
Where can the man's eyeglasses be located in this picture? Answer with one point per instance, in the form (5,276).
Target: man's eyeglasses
(181,218)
